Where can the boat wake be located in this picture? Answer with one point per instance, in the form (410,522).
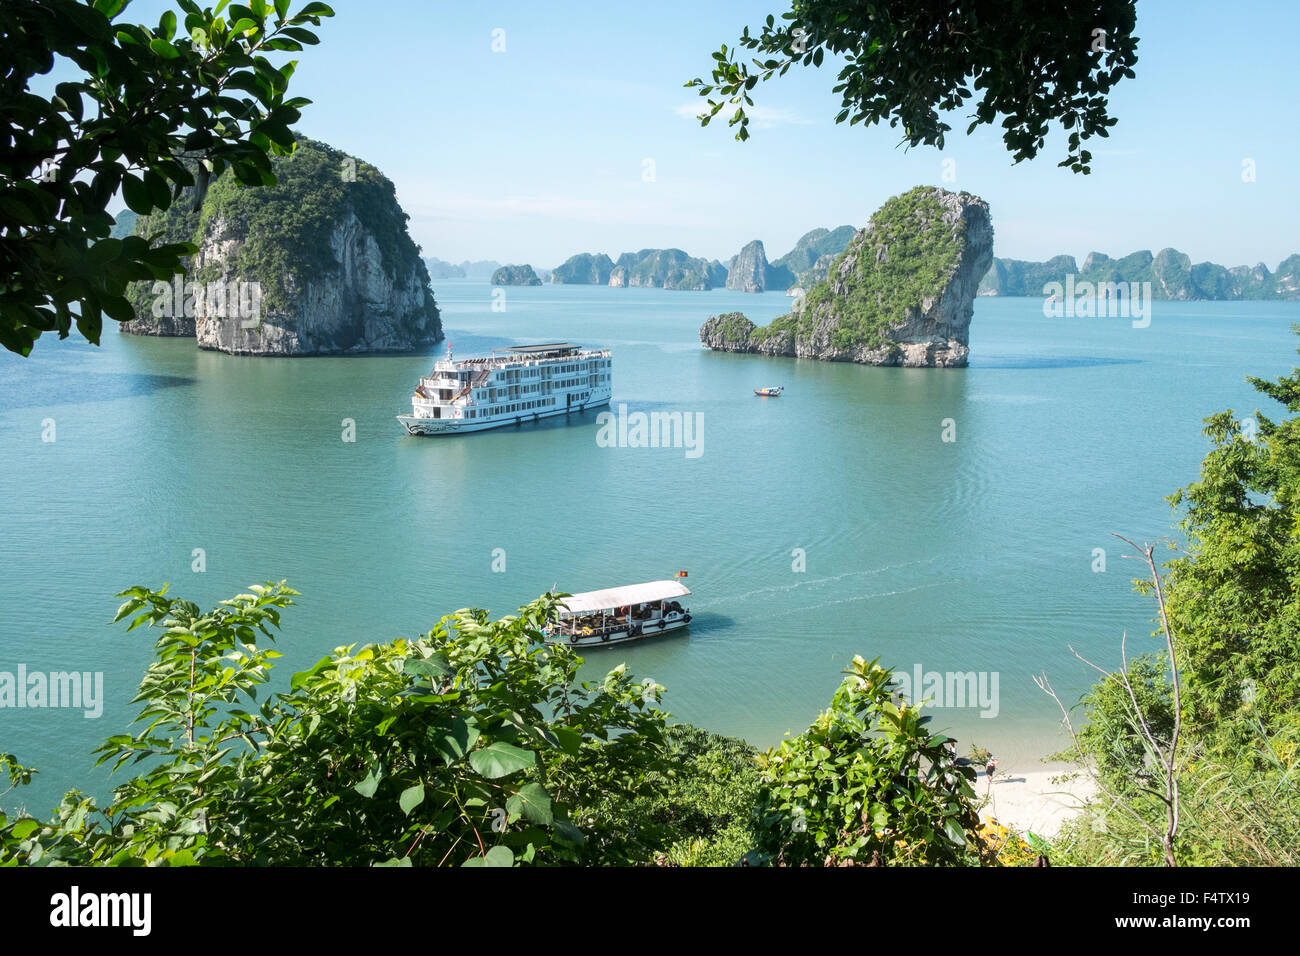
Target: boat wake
(818,582)
(856,597)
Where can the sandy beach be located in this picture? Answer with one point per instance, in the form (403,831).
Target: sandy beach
(1031,800)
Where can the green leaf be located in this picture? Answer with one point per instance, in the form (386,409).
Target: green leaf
(25,828)
(163,48)
(118,308)
(570,741)
(370,784)
(497,856)
(1037,842)
(501,759)
(436,665)
(567,832)
(136,195)
(159,192)
(454,739)
(536,804)
(411,798)
(105,250)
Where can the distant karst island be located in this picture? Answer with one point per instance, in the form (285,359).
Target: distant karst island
(1170,272)
(650,268)
(747,271)
(321,263)
(902,293)
(515,275)
(472,270)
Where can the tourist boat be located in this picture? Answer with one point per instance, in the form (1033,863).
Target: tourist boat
(769,392)
(618,615)
(523,383)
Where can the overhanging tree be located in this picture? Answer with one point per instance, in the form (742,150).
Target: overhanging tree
(196,87)
(1026,63)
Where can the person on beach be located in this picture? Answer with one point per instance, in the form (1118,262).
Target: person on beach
(991,767)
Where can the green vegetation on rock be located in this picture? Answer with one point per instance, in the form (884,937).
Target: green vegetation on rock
(671,269)
(877,296)
(584,269)
(812,246)
(286,228)
(515,275)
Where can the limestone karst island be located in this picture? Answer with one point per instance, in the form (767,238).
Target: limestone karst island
(902,293)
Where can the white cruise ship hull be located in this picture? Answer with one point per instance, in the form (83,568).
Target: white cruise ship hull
(454,426)
(513,386)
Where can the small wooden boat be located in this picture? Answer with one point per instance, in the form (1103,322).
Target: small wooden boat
(769,392)
(617,615)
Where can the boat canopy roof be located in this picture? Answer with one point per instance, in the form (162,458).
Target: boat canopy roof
(589,601)
(537,349)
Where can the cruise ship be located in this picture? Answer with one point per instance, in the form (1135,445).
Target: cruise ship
(523,383)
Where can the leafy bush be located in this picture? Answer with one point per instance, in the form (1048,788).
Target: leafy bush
(867,783)
(697,809)
(1233,618)
(462,747)
(476,745)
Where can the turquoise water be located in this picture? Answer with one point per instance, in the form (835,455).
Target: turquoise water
(973,555)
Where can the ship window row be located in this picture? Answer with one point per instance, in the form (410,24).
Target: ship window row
(515,407)
(520,389)
(548,370)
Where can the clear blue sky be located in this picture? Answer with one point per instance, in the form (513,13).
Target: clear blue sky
(537,153)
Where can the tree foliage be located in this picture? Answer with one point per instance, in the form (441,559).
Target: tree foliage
(1031,65)
(1233,587)
(464,747)
(867,783)
(476,744)
(1232,607)
(195,86)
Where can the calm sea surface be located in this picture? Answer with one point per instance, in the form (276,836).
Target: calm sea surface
(972,555)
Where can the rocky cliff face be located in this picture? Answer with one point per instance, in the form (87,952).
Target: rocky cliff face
(902,293)
(814,246)
(748,269)
(359,307)
(815,273)
(320,263)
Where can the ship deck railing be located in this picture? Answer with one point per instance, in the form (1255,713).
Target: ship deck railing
(498,361)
